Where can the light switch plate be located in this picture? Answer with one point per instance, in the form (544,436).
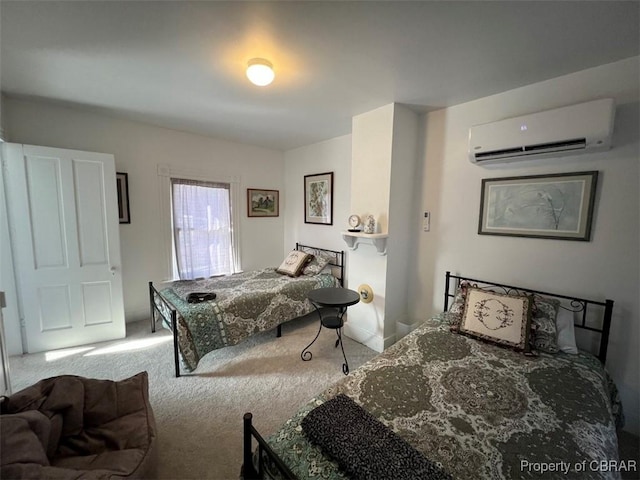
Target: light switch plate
(426,222)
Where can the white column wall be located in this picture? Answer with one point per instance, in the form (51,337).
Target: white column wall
(403,217)
(372,144)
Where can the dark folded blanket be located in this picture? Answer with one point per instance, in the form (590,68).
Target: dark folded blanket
(363,446)
(197,297)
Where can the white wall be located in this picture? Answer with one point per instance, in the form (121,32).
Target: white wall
(138,150)
(371,164)
(329,156)
(403,215)
(605,267)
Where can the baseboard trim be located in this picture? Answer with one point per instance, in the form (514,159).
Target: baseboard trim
(371,340)
(405,328)
(136,315)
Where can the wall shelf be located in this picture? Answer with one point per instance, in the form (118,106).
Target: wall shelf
(379,240)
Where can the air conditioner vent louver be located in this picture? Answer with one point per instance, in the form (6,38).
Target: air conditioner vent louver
(585,127)
(568,144)
(565,145)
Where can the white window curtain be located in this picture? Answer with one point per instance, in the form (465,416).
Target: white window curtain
(202,228)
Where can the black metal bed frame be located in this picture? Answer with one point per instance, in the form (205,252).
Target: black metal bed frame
(575,305)
(337,261)
(266,456)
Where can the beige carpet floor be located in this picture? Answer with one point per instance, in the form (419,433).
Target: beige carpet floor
(199,416)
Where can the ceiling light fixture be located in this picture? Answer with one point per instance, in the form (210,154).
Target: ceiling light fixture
(260,72)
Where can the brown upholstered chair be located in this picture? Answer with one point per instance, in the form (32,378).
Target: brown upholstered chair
(71,427)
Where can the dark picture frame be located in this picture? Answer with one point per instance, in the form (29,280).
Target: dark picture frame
(318,198)
(263,203)
(122,188)
(556,206)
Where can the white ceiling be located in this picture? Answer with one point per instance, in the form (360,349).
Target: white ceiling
(181,64)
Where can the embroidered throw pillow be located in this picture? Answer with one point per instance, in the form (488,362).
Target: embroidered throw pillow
(294,263)
(543,324)
(453,315)
(498,318)
(317,263)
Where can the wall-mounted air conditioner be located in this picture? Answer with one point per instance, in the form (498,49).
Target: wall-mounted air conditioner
(582,128)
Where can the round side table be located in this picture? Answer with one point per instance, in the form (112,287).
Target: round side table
(338,299)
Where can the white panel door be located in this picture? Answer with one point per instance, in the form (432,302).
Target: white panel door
(63,216)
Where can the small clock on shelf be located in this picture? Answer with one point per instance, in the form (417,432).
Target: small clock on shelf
(354,223)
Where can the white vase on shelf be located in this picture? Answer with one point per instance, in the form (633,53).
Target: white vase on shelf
(369,224)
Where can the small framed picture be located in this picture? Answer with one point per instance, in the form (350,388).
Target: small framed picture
(263,203)
(122,187)
(542,206)
(318,198)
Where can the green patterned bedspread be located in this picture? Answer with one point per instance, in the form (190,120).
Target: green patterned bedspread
(246,303)
(481,411)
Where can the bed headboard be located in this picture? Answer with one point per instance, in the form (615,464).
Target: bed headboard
(589,315)
(336,262)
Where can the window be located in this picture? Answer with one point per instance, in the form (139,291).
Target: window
(202,229)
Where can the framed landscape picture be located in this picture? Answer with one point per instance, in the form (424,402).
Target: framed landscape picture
(263,203)
(318,198)
(545,206)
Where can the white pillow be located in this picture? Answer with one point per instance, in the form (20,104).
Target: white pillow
(566,332)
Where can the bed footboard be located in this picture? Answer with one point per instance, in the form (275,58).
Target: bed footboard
(172,321)
(267,458)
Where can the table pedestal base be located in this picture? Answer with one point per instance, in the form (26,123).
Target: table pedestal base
(334,323)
